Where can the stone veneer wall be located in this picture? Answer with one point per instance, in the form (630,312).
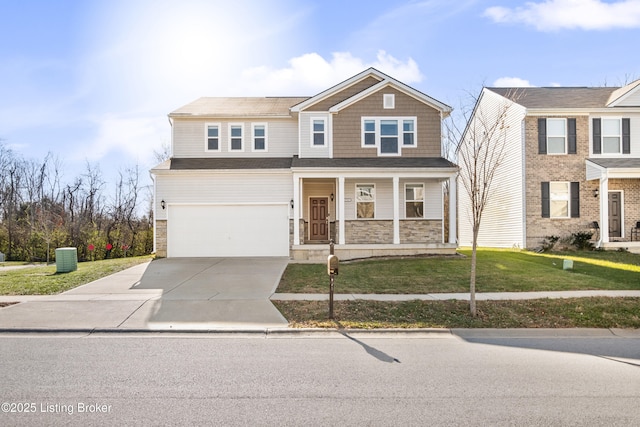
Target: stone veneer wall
(420,231)
(363,231)
(161,238)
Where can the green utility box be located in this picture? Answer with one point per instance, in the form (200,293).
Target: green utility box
(66,260)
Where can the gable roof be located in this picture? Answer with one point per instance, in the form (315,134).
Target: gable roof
(384,81)
(557,97)
(618,96)
(238,107)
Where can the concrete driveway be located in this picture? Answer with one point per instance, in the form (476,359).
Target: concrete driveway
(165,294)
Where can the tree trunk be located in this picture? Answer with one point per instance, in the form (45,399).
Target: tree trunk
(472,281)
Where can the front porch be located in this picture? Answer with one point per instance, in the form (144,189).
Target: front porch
(383,211)
(319,253)
(618,193)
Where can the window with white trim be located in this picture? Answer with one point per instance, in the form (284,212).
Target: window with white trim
(414,200)
(369,133)
(212,137)
(365,201)
(559,196)
(556,136)
(235,137)
(389,134)
(259,131)
(318,132)
(611,136)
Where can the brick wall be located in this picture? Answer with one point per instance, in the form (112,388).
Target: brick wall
(568,167)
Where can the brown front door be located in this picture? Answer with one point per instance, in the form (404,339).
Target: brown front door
(614,214)
(318,229)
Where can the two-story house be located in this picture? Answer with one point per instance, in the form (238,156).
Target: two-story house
(572,164)
(360,163)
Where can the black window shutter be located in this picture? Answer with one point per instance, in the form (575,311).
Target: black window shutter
(597,137)
(546,207)
(542,136)
(572,138)
(575,200)
(626,136)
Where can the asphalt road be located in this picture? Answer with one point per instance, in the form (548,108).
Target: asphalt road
(475,378)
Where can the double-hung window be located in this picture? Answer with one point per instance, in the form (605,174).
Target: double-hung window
(560,199)
(213,137)
(556,136)
(259,131)
(389,137)
(611,136)
(365,201)
(369,133)
(408,133)
(235,137)
(318,132)
(414,200)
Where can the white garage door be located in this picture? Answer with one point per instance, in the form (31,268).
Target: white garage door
(227,230)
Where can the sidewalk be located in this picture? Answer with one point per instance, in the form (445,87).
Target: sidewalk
(199,295)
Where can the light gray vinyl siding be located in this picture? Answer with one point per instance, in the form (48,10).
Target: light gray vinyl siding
(634,123)
(432,198)
(306,148)
(632,101)
(502,222)
(222,188)
(593,172)
(384,197)
(189,138)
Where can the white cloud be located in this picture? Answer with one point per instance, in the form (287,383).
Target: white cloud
(552,15)
(310,73)
(511,82)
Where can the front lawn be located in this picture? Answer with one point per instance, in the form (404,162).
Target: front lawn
(498,271)
(599,312)
(44,280)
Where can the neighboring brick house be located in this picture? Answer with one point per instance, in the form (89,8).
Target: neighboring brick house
(572,165)
(360,163)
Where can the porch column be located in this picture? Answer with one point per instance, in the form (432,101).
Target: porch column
(341,213)
(296,210)
(604,209)
(453,207)
(396,210)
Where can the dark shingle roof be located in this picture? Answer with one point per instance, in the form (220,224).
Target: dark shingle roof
(295,162)
(231,163)
(557,97)
(617,163)
(374,162)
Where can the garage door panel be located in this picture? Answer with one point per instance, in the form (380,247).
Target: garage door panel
(227,230)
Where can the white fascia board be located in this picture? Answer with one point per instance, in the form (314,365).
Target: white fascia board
(208,172)
(371,173)
(626,173)
(577,111)
(632,88)
(327,93)
(407,90)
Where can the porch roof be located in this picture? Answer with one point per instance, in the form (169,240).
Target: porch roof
(219,163)
(617,163)
(624,168)
(373,162)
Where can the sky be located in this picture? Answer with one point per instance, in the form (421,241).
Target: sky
(92,81)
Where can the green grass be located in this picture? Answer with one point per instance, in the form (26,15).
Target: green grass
(44,280)
(498,271)
(599,312)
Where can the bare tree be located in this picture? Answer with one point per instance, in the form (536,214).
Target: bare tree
(480,149)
